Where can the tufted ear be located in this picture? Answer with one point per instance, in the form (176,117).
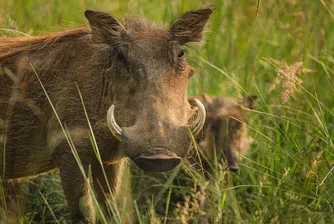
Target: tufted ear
(190,25)
(248,101)
(105,28)
(207,99)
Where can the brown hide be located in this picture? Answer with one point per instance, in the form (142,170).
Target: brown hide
(225,134)
(136,66)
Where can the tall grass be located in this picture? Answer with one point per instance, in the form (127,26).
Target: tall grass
(287,177)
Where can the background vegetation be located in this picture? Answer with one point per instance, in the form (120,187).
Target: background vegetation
(282,51)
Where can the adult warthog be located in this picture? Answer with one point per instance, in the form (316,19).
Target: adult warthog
(132,78)
(225,134)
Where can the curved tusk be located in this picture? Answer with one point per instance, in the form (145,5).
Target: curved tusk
(112,124)
(200,119)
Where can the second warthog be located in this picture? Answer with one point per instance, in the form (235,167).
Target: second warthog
(225,133)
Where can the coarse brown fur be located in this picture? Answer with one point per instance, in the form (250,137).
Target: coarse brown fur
(225,135)
(135,66)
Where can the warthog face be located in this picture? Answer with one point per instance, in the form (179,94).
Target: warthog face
(149,111)
(225,134)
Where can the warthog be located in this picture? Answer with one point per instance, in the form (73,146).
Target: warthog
(225,135)
(129,78)
(224,140)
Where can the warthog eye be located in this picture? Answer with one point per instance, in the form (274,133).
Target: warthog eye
(181,53)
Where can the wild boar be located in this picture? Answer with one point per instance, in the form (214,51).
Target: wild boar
(121,85)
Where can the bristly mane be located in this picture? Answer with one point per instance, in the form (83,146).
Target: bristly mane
(138,24)
(10,47)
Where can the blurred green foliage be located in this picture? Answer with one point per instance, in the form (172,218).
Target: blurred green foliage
(288,175)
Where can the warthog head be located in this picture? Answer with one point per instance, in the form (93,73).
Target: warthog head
(225,134)
(149,111)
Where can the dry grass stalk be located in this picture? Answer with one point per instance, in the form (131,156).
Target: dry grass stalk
(287,78)
(314,165)
(263,181)
(10,22)
(192,207)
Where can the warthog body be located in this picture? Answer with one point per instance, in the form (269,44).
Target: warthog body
(135,71)
(224,135)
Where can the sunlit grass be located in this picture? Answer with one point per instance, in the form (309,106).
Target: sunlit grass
(287,177)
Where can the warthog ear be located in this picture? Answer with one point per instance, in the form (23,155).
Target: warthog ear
(105,28)
(248,101)
(207,99)
(190,25)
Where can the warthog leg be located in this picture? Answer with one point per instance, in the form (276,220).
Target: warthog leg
(104,184)
(74,183)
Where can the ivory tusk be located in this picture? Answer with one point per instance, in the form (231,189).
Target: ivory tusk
(112,124)
(200,119)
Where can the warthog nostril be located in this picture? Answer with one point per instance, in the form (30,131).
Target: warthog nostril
(158,162)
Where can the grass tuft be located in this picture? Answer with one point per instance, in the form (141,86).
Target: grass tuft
(287,176)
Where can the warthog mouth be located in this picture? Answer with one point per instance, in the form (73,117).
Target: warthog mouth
(158,160)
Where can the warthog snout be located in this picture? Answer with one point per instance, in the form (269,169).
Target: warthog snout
(159,160)
(157,144)
(234,167)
